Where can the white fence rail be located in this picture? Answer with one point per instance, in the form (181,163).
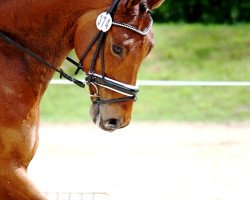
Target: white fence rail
(175,83)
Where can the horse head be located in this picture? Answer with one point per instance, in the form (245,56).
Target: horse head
(112,59)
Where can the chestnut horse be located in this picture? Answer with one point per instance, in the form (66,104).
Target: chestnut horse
(50,29)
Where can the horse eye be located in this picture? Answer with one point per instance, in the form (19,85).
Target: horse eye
(117,50)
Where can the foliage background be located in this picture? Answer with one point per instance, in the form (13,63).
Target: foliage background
(204,11)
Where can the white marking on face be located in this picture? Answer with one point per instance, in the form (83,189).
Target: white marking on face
(129,42)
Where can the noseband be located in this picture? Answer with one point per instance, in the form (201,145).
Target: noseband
(104,22)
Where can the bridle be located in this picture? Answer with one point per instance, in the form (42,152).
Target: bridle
(104,22)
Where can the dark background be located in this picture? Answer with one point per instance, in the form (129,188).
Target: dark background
(204,11)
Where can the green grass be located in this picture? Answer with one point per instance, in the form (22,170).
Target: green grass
(182,52)
(199,52)
(65,104)
(218,104)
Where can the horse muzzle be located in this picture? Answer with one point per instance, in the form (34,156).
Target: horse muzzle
(109,117)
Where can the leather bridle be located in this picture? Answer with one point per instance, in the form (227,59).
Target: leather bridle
(104,22)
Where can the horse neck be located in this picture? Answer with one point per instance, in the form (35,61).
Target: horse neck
(45,27)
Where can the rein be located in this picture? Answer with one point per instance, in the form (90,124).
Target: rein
(41,60)
(104,22)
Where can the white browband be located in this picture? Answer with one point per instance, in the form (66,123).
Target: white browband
(132,28)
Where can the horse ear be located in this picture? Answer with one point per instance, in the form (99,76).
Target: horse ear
(153,4)
(131,3)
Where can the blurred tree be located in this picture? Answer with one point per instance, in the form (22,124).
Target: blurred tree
(204,11)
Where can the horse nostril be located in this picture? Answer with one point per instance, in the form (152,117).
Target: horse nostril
(113,121)
(112,124)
